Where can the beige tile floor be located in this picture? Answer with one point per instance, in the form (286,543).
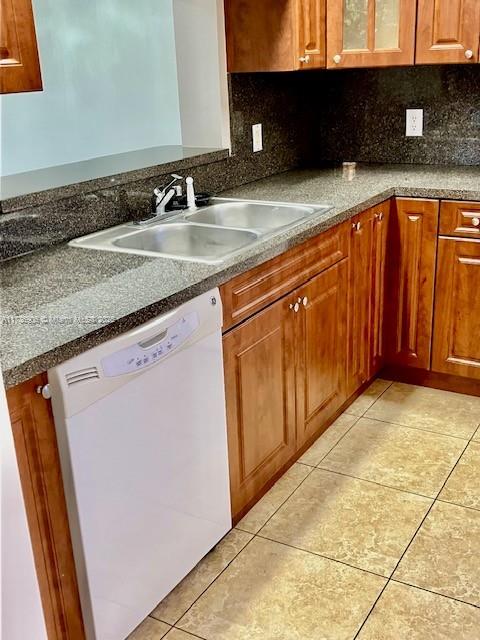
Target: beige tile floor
(374,534)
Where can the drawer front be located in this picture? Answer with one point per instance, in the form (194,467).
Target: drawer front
(251,291)
(461,219)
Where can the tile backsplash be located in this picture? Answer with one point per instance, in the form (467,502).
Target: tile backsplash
(359,115)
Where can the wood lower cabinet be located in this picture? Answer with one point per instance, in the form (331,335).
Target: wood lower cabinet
(412,250)
(275,35)
(42,487)
(370,33)
(456,337)
(366,300)
(448,31)
(381,218)
(259,360)
(19,63)
(321,330)
(360,300)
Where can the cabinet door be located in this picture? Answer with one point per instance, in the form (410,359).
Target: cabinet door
(42,486)
(447,31)
(369,33)
(260,396)
(311,29)
(19,64)
(381,215)
(456,339)
(321,349)
(411,273)
(360,300)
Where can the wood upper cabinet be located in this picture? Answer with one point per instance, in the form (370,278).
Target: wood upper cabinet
(321,330)
(259,360)
(19,63)
(370,33)
(275,35)
(42,487)
(412,249)
(448,31)
(456,338)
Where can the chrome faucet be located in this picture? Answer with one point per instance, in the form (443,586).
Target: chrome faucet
(160,198)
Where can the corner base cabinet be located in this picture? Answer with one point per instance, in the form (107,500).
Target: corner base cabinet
(412,251)
(456,337)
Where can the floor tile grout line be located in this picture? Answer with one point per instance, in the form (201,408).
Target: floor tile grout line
(457,504)
(286,500)
(408,426)
(340,439)
(189,633)
(362,415)
(322,555)
(391,578)
(211,583)
(436,593)
(386,486)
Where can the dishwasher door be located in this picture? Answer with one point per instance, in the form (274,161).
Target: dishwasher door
(141,428)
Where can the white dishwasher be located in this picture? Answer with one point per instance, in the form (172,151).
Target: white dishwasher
(142,437)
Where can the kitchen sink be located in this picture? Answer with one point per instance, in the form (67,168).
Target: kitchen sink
(252,215)
(184,240)
(209,235)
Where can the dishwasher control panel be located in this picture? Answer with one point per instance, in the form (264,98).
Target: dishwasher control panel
(151,350)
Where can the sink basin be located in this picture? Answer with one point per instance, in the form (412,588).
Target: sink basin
(183,240)
(209,235)
(261,216)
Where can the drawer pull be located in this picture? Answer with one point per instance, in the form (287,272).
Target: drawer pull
(476,222)
(305,59)
(379,216)
(294,307)
(356,226)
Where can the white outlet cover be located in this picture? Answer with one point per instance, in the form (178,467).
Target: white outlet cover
(257,138)
(414,123)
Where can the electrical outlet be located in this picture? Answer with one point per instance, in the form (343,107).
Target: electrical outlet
(257,138)
(414,125)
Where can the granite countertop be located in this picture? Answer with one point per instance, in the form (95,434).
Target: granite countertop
(59,302)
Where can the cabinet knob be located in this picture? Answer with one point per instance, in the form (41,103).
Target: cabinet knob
(468,54)
(44,391)
(379,216)
(337,58)
(356,226)
(305,59)
(305,301)
(476,222)
(294,307)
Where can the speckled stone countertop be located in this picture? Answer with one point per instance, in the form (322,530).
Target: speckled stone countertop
(59,302)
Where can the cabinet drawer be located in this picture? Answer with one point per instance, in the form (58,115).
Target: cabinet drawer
(255,289)
(460,219)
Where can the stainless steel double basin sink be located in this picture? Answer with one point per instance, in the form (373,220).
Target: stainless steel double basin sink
(210,235)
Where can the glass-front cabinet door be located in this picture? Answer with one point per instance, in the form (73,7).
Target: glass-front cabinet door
(370,33)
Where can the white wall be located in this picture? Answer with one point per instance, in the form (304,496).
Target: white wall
(21,610)
(110,84)
(202,72)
